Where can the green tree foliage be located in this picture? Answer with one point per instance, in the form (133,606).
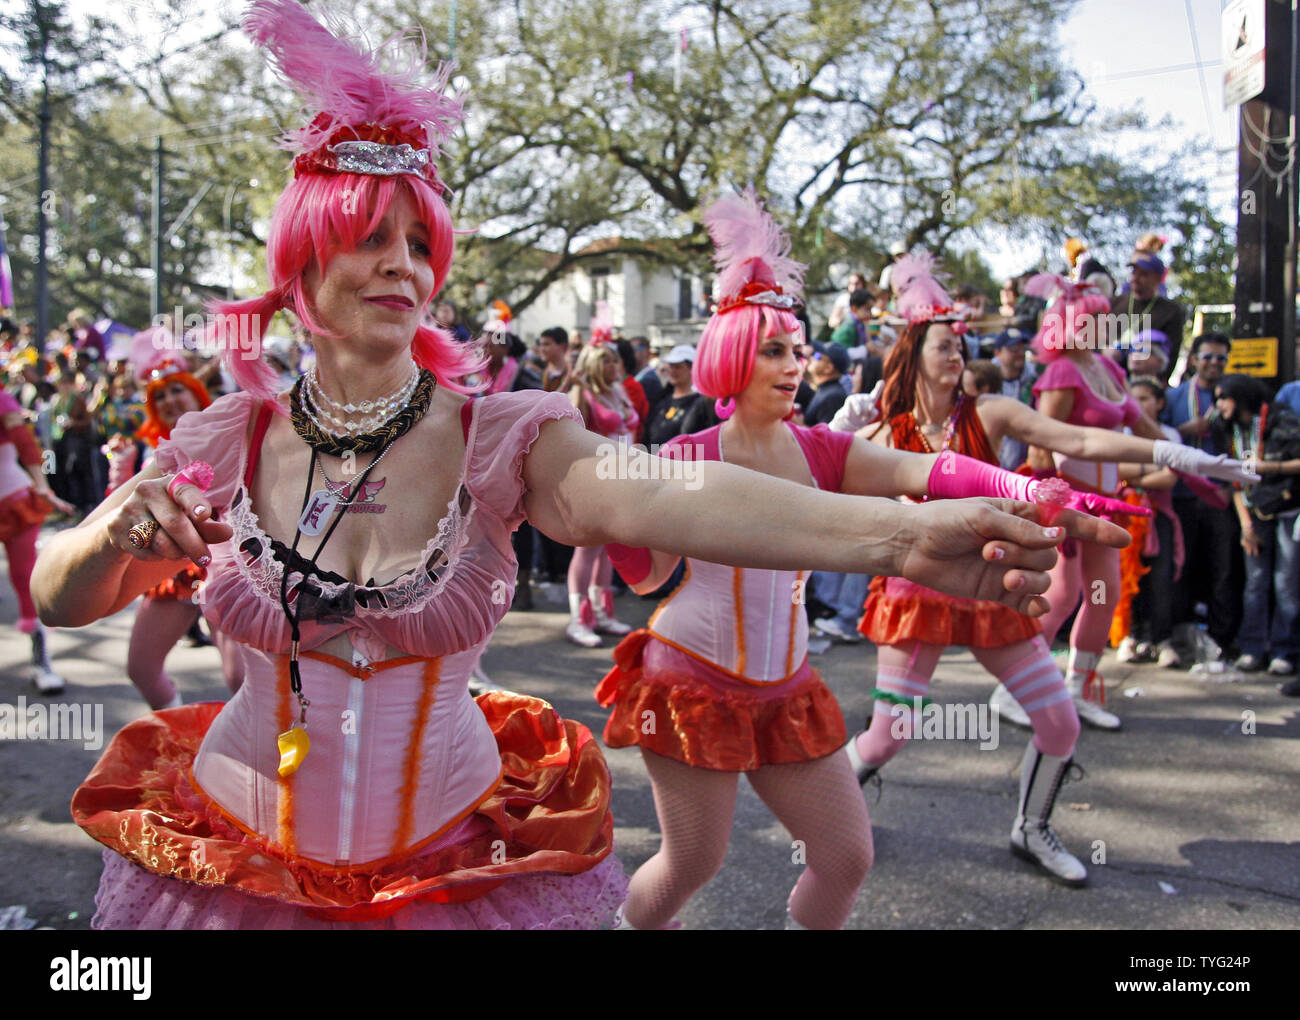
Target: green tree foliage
(941,124)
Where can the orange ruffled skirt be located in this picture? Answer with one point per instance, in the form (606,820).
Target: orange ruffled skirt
(898,611)
(181,586)
(676,705)
(548,817)
(20,510)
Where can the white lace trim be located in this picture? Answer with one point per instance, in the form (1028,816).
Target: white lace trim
(408,593)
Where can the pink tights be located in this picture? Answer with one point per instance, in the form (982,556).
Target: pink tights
(589,568)
(21,550)
(1094,574)
(819,802)
(1026,668)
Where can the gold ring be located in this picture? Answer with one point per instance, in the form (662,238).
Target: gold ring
(142,534)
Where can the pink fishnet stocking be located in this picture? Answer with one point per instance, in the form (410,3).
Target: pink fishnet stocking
(695,807)
(821,805)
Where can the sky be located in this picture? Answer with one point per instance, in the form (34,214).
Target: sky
(1139,54)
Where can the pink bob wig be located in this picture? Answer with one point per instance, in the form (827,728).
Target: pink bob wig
(318,216)
(724,360)
(1071,322)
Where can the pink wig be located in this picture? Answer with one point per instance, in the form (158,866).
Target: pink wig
(758,285)
(1071,321)
(322,213)
(724,359)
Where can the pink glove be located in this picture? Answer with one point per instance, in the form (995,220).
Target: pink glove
(1206,491)
(956,477)
(1102,506)
(632,564)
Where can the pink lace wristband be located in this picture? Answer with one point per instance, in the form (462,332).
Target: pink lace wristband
(633,564)
(198,473)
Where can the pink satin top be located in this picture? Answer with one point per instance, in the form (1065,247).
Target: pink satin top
(749,623)
(13,477)
(1094,411)
(399,751)
(608,422)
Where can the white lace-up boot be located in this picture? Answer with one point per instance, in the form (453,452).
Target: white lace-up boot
(602,609)
(1032,836)
(43,676)
(579,630)
(1089,690)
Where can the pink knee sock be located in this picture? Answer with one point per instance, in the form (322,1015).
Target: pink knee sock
(1029,672)
(21,550)
(904,671)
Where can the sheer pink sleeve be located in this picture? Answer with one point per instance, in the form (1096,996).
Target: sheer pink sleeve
(504,428)
(216,435)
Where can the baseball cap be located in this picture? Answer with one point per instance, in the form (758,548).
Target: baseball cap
(837,355)
(1147,261)
(1010,336)
(898,248)
(680,353)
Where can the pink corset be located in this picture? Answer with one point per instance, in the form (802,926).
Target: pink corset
(749,623)
(399,750)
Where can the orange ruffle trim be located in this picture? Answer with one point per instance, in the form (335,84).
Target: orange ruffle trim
(685,717)
(937,619)
(549,814)
(180,586)
(20,510)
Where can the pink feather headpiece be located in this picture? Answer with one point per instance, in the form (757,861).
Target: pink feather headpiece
(1073,305)
(602,324)
(752,255)
(921,297)
(364,119)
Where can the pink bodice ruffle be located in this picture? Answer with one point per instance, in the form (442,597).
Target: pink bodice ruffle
(399,750)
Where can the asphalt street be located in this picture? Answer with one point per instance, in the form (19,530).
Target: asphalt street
(1187,818)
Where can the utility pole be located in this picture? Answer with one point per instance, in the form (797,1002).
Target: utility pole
(1265,289)
(156,303)
(43,183)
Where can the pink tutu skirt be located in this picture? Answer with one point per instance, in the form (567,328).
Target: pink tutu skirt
(130,898)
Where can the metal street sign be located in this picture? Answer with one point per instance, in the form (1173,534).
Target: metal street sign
(1254,356)
(1243,51)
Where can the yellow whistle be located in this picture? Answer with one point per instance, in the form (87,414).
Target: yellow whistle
(294,745)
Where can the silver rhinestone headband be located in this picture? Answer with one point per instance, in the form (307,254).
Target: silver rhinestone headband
(379,159)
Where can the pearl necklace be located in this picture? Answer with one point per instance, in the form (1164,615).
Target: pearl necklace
(388,407)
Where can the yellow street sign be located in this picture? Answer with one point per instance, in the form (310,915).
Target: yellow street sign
(1254,356)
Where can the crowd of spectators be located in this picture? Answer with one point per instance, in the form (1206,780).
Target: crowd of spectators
(1241,589)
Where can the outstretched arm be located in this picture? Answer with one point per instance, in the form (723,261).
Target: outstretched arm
(1045,431)
(718,512)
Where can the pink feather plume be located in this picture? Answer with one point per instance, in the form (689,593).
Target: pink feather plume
(1062,291)
(920,294)
(346,83)
(602,324)
(750,245)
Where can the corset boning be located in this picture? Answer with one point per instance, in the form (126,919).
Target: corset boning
(750,623)
(398,753)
